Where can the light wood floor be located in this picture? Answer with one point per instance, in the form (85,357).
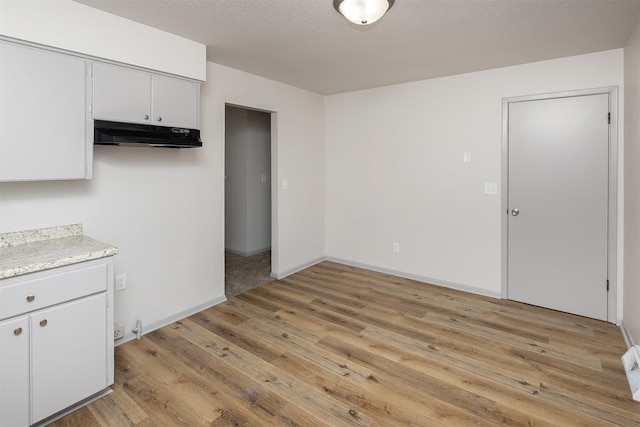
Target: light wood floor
(340,346)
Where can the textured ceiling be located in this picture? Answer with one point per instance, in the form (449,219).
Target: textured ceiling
(306,43)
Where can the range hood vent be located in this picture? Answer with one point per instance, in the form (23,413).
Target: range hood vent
(128,134)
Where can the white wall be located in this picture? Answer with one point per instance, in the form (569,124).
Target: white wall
(258,192)
(164,208)
(395,171)
(297,155)
(247,197)
(235,184)
(632,186)
(73,26)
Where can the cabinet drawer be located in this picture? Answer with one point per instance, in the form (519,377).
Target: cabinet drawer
(28,295)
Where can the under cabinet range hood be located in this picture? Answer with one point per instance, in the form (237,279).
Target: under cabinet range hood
(135,135)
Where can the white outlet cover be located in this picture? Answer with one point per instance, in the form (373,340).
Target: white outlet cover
(118,330)
(490,188)
(121,282)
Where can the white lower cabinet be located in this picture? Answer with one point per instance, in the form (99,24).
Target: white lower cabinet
(14,372)
(58,355)
(68,354)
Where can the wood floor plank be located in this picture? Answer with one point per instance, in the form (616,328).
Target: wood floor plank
(487,383)
(257,346)
(327,361)
(117,409)
(286,385)
(493,353)
(337,345)
(467,407)
(378,401)
(81,417)
(246,400)
(168,392)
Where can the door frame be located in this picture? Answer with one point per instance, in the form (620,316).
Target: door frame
(612,221)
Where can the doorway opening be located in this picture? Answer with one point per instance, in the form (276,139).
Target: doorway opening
(248,199)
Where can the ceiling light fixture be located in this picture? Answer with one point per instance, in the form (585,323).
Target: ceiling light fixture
(363,12)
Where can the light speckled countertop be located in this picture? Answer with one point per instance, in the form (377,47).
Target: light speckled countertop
(29,251)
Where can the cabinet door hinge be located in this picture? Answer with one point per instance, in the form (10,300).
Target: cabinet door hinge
(108,296)
(609,118)
(607,285)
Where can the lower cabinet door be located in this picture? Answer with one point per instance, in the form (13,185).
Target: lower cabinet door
(68,354)
(14,372)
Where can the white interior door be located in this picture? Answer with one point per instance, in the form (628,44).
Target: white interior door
(558,203)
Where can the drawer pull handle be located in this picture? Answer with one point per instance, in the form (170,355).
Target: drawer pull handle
(43,322)
(30,298)
(17,331)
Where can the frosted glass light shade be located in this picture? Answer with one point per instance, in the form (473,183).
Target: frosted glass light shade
(363,12)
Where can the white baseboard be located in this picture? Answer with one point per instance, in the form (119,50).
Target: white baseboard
(73,408)
(250,253)
(146,328)
(626,335)
(419,278)
(300,267)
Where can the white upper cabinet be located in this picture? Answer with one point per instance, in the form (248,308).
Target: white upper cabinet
(175,102)
(45,128)
(122,94)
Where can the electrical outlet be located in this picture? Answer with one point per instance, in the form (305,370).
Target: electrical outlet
(396,247)
(121,282)
(118,330)
(490,188)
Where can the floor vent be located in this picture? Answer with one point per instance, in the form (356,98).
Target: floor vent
(631,361)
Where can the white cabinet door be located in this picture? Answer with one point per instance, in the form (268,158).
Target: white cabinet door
(43,115)
(68,354)
(175,102)
(14,371)
(121,94)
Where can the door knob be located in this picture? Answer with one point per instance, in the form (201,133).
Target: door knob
(515,212)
